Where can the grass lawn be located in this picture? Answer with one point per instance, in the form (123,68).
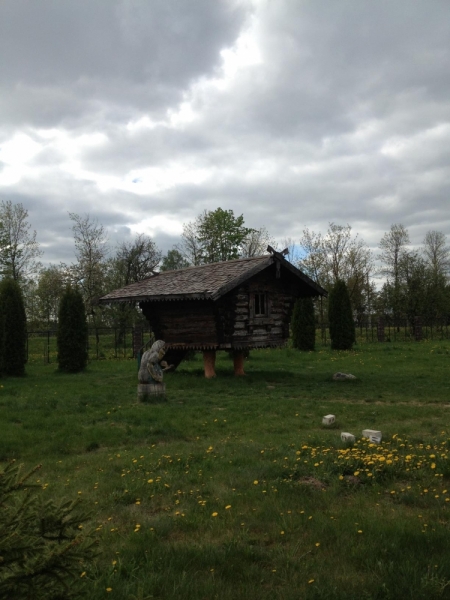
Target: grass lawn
(234,489)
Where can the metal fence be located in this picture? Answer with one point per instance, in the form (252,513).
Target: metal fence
(110,343)
(103,343)
(382,329)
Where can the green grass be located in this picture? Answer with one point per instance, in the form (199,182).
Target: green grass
(232,488)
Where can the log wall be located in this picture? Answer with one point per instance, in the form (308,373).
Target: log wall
(189,323)
(230,321)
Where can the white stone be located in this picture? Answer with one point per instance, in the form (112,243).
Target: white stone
(369,433)
(328,420)
(347,437)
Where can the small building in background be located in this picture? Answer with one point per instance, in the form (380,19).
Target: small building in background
(234,305)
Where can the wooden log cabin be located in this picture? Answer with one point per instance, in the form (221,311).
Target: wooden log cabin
(234,305)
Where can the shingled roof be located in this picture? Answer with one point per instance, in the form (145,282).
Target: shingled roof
(205,282)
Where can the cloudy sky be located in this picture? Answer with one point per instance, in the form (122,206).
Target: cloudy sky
(294,113)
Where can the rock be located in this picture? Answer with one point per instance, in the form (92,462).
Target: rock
(343,376)
(373,435)
(328,420)
(349,438)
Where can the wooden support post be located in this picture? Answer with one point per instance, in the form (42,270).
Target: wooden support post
(138,340)
(380,330)
(417,329)
(238,359)
(209,362)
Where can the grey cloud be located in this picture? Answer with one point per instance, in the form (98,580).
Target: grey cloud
(126,55)
(305,137)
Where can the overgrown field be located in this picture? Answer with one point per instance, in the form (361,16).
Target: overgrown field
(234,489)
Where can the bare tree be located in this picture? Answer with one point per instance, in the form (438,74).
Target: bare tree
(256,243)
(91,251)
(436,251)
(19,251)
(393,249)
(134,261)
(294,252)
(190,247)
(335,256)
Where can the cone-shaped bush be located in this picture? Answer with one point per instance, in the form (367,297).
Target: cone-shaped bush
(340,318)
(13,329)
(303,324)
(72,332)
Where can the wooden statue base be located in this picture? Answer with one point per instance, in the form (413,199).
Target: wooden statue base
(151,392)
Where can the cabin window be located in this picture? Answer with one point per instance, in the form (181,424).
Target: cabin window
(260,305)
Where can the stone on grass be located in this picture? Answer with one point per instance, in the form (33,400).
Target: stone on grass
(328,420)
(343,376)
(349,438)
(373,435)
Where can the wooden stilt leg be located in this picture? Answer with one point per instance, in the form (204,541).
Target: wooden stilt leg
(238,359)
(209,363)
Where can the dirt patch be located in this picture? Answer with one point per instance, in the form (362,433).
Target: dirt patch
(312,482)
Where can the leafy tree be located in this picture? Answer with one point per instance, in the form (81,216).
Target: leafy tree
(216,235)
(19,249)
(14,328)
(51,285)
(303,324)
(173,260)
(72,335)
(43,545)
(340,317)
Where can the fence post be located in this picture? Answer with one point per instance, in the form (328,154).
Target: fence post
(417,329)
(380,329)
(138,340)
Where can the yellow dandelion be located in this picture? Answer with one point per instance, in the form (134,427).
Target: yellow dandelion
(255,482)
(214,514)
(227,506)
(311,581)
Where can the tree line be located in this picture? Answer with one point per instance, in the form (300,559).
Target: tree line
(399,282)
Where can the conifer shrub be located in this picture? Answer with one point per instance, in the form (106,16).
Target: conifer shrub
(72,336)
(340,317)
(13,336)
(44,547)
(303,324)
